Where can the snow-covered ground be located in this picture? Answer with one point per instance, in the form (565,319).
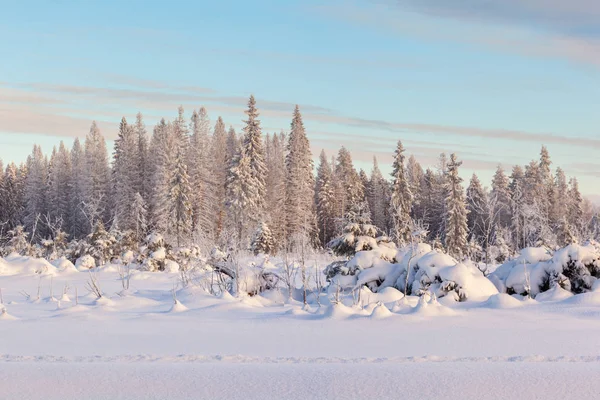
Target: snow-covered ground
(142,346)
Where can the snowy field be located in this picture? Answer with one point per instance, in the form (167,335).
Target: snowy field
(142,346)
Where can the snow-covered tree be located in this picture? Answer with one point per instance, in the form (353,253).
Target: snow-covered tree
(36,191)
(180,208)
(325,199)
(299,185)
(263,240)
(500,195)
(202,198)
(246,178)
(477,205)
(11,198)
(78,222)
(349,192)
(143,181)
(219,164)
(401,199)
(59,190)
(139,216)
(97,177)
(125,175)
(379,198)
(575,207)
(456,224)
(275,184)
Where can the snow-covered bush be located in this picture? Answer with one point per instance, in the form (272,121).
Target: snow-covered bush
(575,268)
(419,270)
(85,263)
(153,254)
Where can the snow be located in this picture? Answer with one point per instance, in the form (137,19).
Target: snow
(267,341)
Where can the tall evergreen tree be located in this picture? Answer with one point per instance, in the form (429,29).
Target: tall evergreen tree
(97,177)
(299,185)
(180,211)
(477,206)
(276,186)
(202,180)
(325,200)
(379,198)
(125,175)
(456,224)
(401,200)
(219,166)
(246,179)
(59,191)
(500,196)
(36,189)
(78,221)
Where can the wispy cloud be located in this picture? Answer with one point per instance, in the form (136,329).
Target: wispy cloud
(533,28)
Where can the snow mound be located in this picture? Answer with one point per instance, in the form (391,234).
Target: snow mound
(177,307)
(104,302)
(557,293)
(502,301)
(584,299)
(338,311)
(15,264)
(85,263)
(63,265)
(5,316)
(380,312)
(171,267)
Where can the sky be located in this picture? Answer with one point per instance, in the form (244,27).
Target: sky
(492,81)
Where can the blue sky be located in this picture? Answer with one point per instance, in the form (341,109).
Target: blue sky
(491,81)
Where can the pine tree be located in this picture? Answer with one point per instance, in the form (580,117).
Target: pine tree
(143,182)
(79,225)
(246,179)
(36,189)
(401,200)
(500,196)
(11,199)
(456,223)
(125,175)
(299,185)
(477,206)
(263,241)
(349,192)
(201,178)
(180,207)
(415,177)
(575,207)
(139,216)
(97,177)
(219,167)
(379,198)
(59,193)
(276,185)
(517,202)
(325,199)
(165,147)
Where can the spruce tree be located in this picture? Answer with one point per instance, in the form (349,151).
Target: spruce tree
(219,166)
(401,200)
(325,200)
(36,190)
(379,198)
(477,206)
(299,185)
(180,208)
(456,224)
(97,177)
(78,221)
(246,179)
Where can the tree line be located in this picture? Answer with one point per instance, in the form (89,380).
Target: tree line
(196,183)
